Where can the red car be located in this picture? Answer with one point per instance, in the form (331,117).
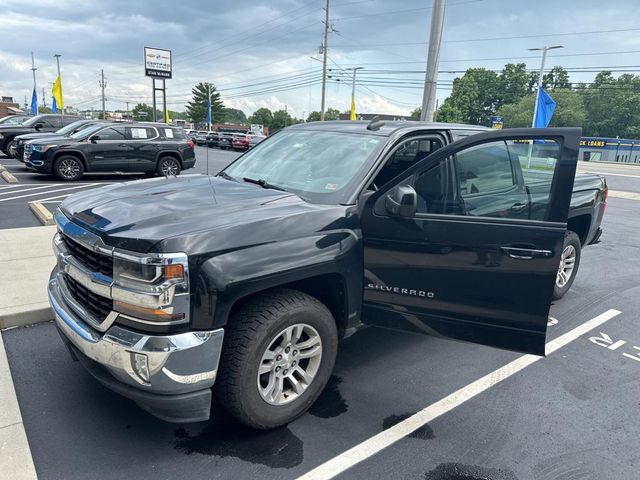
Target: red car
(241,143)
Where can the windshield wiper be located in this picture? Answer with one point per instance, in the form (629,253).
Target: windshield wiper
(263,183)
(227,176)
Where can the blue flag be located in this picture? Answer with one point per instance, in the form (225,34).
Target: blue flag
(209,112)
(544,109)
(34,103)
(54,106)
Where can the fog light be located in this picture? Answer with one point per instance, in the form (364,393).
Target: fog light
(141,366)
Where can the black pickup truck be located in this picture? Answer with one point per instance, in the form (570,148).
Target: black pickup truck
(248,279)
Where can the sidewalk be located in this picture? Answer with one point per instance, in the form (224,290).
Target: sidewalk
(27,259)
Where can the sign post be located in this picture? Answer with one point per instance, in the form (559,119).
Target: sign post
(157,65)
(497,121)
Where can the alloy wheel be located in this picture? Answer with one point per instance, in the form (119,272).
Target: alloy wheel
(289,364)
(169,167)
(69,168)
(567,265)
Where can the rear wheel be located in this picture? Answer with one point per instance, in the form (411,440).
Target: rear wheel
(569,263)
(279,352)
(68,168)
(12,148)
(169,166)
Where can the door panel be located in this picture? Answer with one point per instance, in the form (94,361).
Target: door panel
(108,150)
(467,265)
(143,142)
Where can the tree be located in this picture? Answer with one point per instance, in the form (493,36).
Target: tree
(262,116)
(570,110)
(513,83)
(416,112)
(473,99)
(233,115)
(42,109)
(329,114)
(142,111)
(197,107)
(280,120)
(557,78)
(313,117)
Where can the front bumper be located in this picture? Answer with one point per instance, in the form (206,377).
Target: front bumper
(170,376)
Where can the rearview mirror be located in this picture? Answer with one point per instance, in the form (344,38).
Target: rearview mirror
(401,201)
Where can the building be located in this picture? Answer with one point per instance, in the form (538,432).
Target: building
(600,149)
(9,107)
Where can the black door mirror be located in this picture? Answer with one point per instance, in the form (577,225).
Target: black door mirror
(402,201)
(38,125)
(94,139)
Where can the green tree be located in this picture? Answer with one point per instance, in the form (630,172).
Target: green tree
(612,106)
(513,83)
(329,114)
(557,78)
(280,120)
(42,109)
(144,112)
(262,116)
(415,113)
(197,107)
(313,117)
(473,99)
(233,115)
(570,110)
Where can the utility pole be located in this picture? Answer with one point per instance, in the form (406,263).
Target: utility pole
(128,111)
(44,99)
(285,115)
(57,55)
(540,75)
(324,60)
(33,69)
(103,85)
(433,60)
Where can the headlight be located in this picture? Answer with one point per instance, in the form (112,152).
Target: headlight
(1,136)
(41,148)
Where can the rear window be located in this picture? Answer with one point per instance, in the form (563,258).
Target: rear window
(142,133)
(174,133)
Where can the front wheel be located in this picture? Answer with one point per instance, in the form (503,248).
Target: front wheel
(68,168)
(569,263)
(279,352)
(12,149)
(169,166)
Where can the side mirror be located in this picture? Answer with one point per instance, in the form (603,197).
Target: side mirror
(94,139)
(38,125)
(401,201)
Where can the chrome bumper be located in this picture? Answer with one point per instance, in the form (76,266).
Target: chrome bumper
(159,364)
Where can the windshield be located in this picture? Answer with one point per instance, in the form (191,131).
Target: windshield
(70,128)
(319,166)
(12,120)
(85,132)
(31,121)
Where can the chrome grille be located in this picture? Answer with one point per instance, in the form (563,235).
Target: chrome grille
(94,261)
(95,304)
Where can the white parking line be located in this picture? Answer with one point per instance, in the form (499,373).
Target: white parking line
(47,200)
(41,193)
(29,189)
(379,442)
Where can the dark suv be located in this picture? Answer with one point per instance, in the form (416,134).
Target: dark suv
(131,147)
(39,123)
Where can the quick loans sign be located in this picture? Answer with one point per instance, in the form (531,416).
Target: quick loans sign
(157,62)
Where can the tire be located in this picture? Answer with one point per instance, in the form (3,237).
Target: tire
(169,166)
(68,168)
(11,149)
(257,329)
(569,263)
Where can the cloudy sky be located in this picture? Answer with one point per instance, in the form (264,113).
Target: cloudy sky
(257,52)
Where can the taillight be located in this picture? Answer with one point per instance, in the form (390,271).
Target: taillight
(191,145)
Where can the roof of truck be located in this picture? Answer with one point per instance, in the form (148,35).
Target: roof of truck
(388,127)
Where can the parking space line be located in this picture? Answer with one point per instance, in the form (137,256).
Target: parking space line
(29,189)
(626,195)
(41,193)
(386,438)
(48,200)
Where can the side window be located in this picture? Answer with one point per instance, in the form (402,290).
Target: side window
(66,120)
(111,133)
(498,179)
(52,122)
(141,133)
(405,156)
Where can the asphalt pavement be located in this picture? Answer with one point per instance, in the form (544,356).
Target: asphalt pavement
(15,198)
(572,415)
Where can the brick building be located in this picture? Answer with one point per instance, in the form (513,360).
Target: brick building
(9,107)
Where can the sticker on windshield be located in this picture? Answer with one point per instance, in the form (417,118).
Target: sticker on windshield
(331,186)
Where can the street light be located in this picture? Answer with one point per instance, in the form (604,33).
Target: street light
(544,50)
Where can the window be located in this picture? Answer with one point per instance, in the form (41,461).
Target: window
(111,133)
(142,133)
(405,156)
(53,121)
(505,179)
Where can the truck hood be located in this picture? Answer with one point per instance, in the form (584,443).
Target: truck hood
(33,136)
(138,215)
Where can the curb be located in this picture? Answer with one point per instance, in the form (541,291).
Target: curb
(6,175)
(20,317)
(42,213)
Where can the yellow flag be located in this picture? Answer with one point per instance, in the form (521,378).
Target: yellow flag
(166,116)
(353,108)
(57,92)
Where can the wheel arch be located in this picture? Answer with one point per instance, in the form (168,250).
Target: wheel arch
(169,153)
(581,225)
(71,153)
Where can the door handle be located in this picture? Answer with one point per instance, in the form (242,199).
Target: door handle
(526,253)
(517,207)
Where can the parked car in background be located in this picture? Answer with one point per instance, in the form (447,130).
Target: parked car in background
(212,139)
(241,142)
(256,139)
(17,148)
(131,147)
(14,119)
(225,140)
(39,123)
(200,138)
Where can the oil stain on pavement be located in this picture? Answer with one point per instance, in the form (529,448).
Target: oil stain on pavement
(227,437)
(423,433)
(330,402)
(458,471)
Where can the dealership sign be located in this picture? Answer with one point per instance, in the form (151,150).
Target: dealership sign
(157,62)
